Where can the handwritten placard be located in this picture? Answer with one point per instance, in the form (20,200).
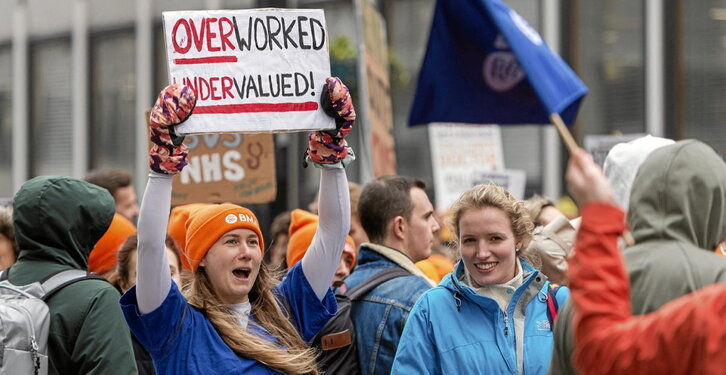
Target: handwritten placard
(460,153)
(238,168)
(257,70)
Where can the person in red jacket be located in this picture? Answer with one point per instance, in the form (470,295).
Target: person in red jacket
(685,336)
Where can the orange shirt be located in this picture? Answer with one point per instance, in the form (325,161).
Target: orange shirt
(685,336)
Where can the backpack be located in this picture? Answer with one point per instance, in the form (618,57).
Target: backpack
(25,321)
(552,305)
(336,341)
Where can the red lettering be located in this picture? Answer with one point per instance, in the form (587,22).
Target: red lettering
(211,35)
(227,87)
(224,35)
(214,88)
(198,36)
(174,40)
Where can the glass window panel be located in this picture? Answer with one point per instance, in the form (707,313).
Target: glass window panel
(704,65)
(50,94)
(609,55)
(113,102)
(6,120)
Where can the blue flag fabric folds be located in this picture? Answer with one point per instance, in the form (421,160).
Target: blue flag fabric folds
(485,64)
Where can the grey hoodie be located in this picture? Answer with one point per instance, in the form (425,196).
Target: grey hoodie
(677,216)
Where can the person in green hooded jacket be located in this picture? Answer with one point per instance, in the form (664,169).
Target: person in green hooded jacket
(677,216)
(57,222)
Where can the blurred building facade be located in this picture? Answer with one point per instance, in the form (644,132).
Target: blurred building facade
(77,75)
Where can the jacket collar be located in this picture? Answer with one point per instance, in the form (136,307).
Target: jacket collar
(533,284)
(397,257)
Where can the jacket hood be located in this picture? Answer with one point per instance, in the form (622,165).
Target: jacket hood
(679,194)
(60,219)
(624,160)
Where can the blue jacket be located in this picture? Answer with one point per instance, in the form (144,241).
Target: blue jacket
(380,316)
(181,340)
(454,330)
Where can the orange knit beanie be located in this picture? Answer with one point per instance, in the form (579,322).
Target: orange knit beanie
(177,229)
(303,225)
(103,256)
(206,225)
(436,266)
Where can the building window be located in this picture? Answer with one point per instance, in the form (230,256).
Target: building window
(51,129)
(702,53)
(113,86)
(6,120)
(607,47)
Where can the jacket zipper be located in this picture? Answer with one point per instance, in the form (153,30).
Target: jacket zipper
(506,323)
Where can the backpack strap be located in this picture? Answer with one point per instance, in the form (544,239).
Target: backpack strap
(552,305)
(61,279)
(372,282)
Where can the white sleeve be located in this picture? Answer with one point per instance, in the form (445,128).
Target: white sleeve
(153,278)
(321,260)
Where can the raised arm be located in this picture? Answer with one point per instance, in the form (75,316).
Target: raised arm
(167,157)
(329,151)
(684,336)
(323,255)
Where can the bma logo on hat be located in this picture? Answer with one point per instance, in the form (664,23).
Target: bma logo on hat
(231,219)
(247,218)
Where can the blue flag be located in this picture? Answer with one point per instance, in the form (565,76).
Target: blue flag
(485,64)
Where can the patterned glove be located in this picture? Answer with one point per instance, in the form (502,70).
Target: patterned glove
(169,154)
(328,148)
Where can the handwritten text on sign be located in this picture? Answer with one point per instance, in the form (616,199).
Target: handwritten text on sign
(254,71)
(227,168)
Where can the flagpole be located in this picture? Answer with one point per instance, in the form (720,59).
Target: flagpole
(564,133)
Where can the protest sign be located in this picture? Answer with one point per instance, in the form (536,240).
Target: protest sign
(375,81)
(259,70)
(459,153)
(514,180)
(599,145)
(238,168)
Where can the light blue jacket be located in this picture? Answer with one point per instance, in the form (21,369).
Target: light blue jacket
(454,330)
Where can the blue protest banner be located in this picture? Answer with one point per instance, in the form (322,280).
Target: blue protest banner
(485,64)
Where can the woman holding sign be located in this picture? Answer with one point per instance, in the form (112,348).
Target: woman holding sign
(233,319)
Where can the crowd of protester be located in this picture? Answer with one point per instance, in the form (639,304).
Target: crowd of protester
(495,285)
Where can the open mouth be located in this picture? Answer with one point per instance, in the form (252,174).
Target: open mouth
(242,272)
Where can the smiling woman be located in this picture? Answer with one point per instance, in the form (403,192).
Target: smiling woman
(232,318)
(479,308)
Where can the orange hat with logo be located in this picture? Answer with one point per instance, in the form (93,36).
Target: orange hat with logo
(177,229)
(206,225)
(303,225)
(103,256)
(436,266)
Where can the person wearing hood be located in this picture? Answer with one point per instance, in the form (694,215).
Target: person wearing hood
(684,336)
(677,216)
(490,315)
(58,220)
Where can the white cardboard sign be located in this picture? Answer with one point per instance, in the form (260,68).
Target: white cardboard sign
(254,71)
(459,154)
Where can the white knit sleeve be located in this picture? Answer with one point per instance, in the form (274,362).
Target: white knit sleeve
(321,260)
(153,279)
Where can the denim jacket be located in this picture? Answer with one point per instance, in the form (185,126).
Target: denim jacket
(380,316)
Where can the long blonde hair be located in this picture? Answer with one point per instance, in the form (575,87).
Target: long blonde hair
(289,354)
(492,195)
